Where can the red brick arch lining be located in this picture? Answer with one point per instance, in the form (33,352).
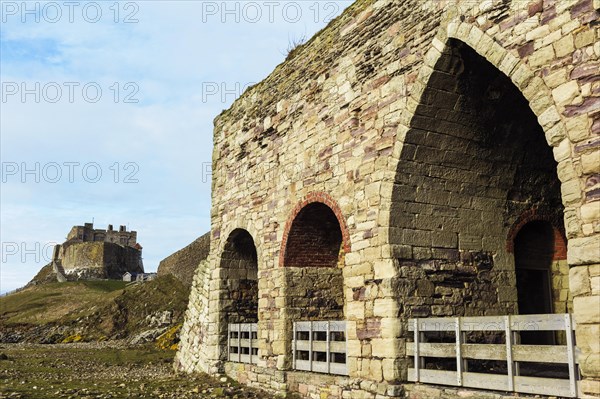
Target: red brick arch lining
(560,241)
(315,197)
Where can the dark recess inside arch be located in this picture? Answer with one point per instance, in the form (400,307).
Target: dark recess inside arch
(315,238)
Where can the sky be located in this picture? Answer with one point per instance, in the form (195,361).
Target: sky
(107,108)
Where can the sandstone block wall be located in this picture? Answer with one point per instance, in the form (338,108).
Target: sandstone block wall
(432,130)
(183,263)
(195,331)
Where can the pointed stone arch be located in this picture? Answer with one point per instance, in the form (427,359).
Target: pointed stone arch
(583,247)
(533,88)
(541,103)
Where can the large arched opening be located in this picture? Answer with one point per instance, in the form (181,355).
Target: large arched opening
(474,160)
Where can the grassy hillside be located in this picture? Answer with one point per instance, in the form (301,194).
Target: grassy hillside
(53,302)
(89,310)
(136,303)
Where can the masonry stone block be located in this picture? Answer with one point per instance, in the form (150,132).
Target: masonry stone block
(579,280)
(565,93)
(587,309)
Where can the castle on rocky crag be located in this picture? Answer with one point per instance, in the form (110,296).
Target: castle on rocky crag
(409,206)
(90,253)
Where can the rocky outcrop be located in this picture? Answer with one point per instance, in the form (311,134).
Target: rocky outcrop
(46,275)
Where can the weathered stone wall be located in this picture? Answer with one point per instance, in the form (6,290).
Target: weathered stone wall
(101,260)
(195,331)
(432,127)
(83,256)
(257,376)
(183,263)
(562,297)
(315,293)
(87,232)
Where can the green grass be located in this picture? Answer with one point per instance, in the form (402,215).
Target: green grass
(105,286)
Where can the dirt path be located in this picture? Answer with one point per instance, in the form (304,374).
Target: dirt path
(103,371)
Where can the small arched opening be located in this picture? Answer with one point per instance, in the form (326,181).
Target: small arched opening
(313,259)
(534,252)
(541,273)
(239,285)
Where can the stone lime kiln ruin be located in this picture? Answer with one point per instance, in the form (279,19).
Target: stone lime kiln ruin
(402,198)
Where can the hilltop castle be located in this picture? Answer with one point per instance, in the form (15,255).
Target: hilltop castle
(90,253)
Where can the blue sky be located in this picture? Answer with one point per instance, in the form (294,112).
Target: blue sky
(107,109)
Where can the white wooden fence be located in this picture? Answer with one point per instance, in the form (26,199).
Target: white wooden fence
(320,346)
(242,342)
(511,352)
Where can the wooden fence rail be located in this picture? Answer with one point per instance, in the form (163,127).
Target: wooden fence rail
(242,343)
(510,352)
(320,346)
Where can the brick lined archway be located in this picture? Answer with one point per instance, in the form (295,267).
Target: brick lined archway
(534,251)
(539,247)
(312,255)
(316,198)
(559,239)
(539,276)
